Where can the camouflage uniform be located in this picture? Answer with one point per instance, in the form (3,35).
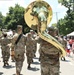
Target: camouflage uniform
(19,51)
(12,54)
(34,46)
(5,49)
(12,49)
(64,43)
(34,36)
(49,58)
(29,49)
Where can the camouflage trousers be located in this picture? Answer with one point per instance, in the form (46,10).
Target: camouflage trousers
(30,56)
(48,69)
(19,62)
(49,64)
(6,55)
(19,66)
(34,50)
(29,60)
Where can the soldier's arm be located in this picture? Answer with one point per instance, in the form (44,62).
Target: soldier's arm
(0,40)
(12,41)
(38,39)
(25,38)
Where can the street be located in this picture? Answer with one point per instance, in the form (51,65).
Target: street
(66,67)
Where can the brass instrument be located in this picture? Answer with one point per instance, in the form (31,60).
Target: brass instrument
(37,16)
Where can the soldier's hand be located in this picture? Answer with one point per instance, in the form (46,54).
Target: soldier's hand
(9,45)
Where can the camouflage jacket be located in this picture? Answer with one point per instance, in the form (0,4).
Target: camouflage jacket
(19,48)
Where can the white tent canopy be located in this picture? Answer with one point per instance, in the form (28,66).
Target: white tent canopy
(71,34)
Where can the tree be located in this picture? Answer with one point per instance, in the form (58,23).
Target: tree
(15,17)
(68,3)
(1,20)
(66,25)
(54,25)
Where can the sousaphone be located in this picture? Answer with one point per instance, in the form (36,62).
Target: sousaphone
(38,15)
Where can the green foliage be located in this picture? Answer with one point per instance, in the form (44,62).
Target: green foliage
(54,25)
(64,2)
(68,3)
(1,20)
(66,25)
(15,17)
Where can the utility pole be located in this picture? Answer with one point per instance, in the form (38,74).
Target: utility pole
(57,21)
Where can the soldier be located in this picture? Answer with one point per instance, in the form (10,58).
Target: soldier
(49,57)
(64,43)
(12,49)
(18,41)
(34,36)
(0,44)
(5,49)
(29,50)
(49,53)
(12,54)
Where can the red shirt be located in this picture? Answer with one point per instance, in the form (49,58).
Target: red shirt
(70,41)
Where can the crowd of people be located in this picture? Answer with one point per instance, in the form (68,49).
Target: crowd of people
(19,44)
(68,44)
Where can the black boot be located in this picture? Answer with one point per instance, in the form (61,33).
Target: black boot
(4,64)
(28,66)
(64,58)
(7,64)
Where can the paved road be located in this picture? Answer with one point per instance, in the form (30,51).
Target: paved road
(66,67)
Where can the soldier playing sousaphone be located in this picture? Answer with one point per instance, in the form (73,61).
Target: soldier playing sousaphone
(40,14)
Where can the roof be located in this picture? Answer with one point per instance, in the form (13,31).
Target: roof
(71,34)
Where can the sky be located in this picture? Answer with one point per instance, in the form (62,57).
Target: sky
(59,11)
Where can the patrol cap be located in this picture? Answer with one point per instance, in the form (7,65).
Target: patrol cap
(19,26)
(29,34)
(51,28)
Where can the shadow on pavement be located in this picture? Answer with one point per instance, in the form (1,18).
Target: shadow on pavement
(15,74)
(66,60)
(36,63)
(1,73)
(34,69)
(8,67)
(36,57)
